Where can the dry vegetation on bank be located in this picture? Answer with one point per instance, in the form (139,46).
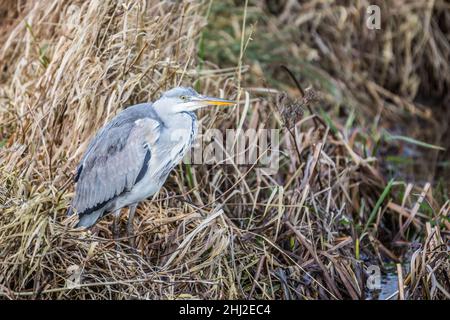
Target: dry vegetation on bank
(308,232)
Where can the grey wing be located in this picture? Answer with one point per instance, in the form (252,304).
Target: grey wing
(113,164)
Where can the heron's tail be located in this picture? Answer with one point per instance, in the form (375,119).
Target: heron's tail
(89,219)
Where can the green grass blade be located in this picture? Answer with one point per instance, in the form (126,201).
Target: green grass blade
(373,214)
(388,137)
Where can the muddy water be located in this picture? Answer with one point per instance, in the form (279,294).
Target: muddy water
(388,288)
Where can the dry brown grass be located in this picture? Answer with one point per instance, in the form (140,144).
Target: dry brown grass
(389,77)
(308,232)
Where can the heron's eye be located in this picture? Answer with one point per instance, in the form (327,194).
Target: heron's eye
(184,98)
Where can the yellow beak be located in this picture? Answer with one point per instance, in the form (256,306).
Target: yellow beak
(201,102)
(211,101)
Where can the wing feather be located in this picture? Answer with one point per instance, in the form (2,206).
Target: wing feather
(112,164)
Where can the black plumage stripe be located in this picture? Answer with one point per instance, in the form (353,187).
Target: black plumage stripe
(77,175)
(144,168)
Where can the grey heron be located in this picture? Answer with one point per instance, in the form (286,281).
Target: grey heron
(130,158)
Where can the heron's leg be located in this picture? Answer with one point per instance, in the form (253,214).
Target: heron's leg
(130,231)
(116,231)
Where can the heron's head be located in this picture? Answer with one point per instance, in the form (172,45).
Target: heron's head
(181,99)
